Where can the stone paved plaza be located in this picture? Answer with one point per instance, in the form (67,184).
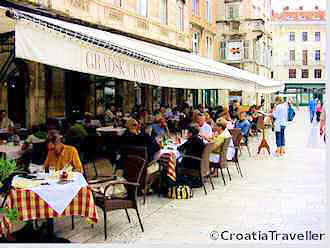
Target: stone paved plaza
(286,194)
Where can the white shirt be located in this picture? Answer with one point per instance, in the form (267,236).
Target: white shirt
(205,130)
(281,116)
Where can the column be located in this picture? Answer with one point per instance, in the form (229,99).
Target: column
(35,95)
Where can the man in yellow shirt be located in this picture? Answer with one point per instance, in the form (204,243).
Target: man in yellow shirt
(60,154)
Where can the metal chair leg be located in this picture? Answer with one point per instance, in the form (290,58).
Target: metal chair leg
(129,219)
(239,167)
(223,178)
(72,222)
(94,164)
(211,182)
(228,174)
(105,225)
(138,215)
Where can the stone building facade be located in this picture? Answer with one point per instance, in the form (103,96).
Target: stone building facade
(52,92)
(245,40)
(299,57)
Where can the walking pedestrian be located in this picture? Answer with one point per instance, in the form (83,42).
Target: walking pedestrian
(280,115)
(318,110)
(312,108)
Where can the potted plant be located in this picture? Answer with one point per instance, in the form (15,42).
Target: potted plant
(7,167)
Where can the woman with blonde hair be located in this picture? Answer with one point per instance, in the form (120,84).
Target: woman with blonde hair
(208,119)
(280,115)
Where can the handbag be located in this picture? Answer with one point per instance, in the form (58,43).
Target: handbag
(180,192)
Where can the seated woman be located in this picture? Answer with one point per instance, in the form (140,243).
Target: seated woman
(60,155)
(219,138)
(134,137)
(209,120)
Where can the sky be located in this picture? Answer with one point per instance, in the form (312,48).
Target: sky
(278,5)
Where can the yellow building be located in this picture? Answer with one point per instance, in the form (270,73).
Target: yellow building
(299,54)
(161,22)
(245,40)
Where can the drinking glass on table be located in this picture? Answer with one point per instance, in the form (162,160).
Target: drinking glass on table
(52,170)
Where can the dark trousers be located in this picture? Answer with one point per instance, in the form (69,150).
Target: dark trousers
(318,114)
(280,139)
(312,113)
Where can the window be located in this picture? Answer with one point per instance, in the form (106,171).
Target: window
(292,36)
(292,73)
(304,73)
(143,7)
(317,55)
(317,36)
(195,7)
(231,13)
(208,11)
(223,46)
(304,57)
(317,73)
(195,43)
(246,46)
(118,3)
(180,18)
(209,47)
(163,12)
(292,55)
(304,36)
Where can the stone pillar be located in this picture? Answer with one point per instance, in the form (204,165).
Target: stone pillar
(127,91)
(4,96)
(56,92)
(35,95)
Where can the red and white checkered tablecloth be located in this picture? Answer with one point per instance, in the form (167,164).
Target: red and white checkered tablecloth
(31,207)
(169,159)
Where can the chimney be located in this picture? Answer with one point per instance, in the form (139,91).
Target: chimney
(286,8)
(301,7)
(316,7)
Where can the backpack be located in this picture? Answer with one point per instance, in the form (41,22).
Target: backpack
(291,113)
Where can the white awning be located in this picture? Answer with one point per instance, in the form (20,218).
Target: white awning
(80,48)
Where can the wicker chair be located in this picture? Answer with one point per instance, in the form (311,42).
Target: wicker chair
(222,164)
(148,178)
(197,172)
(134,167)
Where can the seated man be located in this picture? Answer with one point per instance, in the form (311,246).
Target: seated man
(5,122)
(244,125)
(76,134)
(205,129)
(60,155)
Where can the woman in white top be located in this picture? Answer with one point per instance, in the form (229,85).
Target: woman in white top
(280,115)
